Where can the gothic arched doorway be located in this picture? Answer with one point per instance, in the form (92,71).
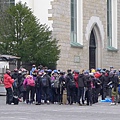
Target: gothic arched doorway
(92,51)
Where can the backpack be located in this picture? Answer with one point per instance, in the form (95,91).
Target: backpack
(15,83)
(30,82)
(56,83)
(119,89)
(44,81)
(72,83)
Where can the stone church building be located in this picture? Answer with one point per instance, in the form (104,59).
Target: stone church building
(88,31)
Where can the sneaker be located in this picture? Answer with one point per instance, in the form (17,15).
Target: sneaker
(42,101)
(48,102)
(38,104)
(112,103)
(33,102)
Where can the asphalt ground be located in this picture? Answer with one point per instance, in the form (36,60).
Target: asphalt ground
(99,111)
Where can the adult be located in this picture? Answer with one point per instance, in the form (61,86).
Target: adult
(38,88)
(8,81)
(61,88)
(70,85)
(29,84)
(81,86)
(46,86)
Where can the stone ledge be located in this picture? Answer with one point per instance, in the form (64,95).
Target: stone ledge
(77,45)
(112,49)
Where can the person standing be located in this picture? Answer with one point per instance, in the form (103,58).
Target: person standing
(8,82)
(61,88)
(76,75)
(15,86)
(115,82)
(81,86)
(29,83)
(70,85)
(46,86)
(38,88)
(89,85)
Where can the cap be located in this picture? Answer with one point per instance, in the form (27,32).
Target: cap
(91,74)
(33,65)
(102,71)
(62,73)
(69,70)
(98,69)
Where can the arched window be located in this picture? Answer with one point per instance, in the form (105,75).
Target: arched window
(112,23)
(77,22)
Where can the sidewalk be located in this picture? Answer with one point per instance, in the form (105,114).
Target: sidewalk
(2,90)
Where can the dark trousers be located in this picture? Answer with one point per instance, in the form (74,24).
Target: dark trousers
(60,95)
(54,95)
(9,95)
(93,95)
(97,94)
(75,95)
(70,95)
(89,96)
(38,95)
(24,95)
(105,92)
(81,94)
(45,93)
(30,92)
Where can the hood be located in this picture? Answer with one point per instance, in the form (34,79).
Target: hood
(81,75)
(6,75)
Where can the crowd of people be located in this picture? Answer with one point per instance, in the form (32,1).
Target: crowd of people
(44,86)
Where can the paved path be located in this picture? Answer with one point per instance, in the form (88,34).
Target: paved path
(100,111)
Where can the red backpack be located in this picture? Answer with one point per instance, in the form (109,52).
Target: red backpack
(97,74)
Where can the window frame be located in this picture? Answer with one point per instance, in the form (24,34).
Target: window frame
(5,4)
(112,24)
(76,36)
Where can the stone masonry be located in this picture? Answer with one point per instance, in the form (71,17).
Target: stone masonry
(61,31)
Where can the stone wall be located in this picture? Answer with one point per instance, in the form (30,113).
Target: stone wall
(113,58)
(61,30)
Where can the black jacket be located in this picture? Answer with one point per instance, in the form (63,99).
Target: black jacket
(67,79)
(81,81)
(38,83)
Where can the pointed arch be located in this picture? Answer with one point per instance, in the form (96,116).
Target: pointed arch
(92,22)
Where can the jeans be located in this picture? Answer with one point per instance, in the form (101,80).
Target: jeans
(38,95)
(45,94)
